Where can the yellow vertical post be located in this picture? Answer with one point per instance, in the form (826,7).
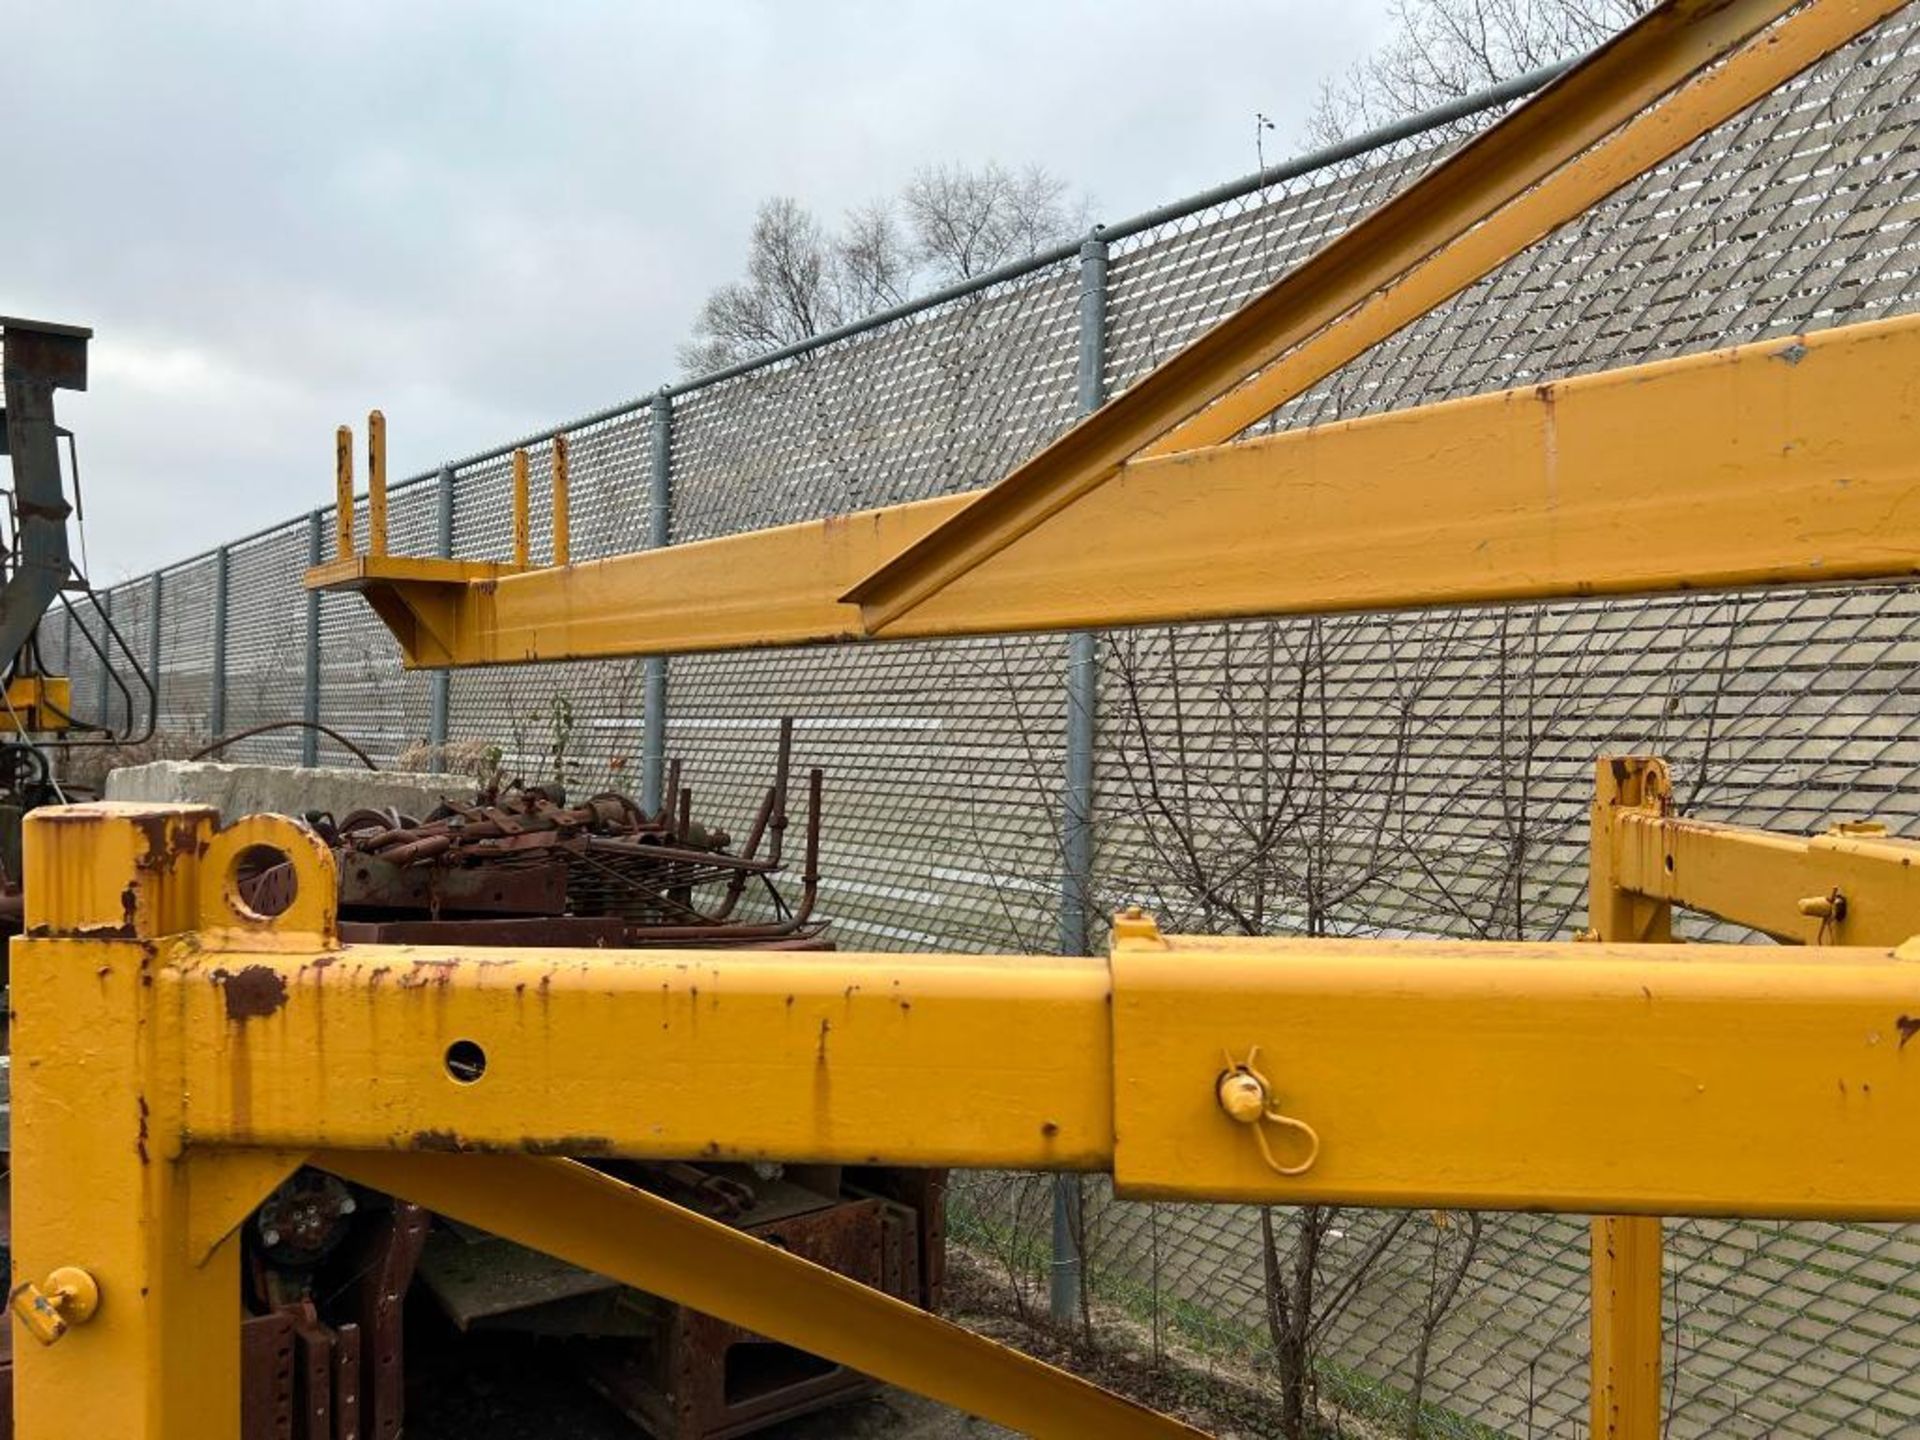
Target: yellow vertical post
(1626,1249)
(343,491)
(562,547)
(100,1186)
(522,525)
(376,483)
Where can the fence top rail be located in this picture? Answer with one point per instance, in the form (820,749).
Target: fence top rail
(1365,143)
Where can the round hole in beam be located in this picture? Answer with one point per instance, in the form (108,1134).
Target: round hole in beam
(263,881)
(466,1061)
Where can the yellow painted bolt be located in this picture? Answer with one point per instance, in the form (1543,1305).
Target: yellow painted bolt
(1823,907)
(1243,1097)
(70,1297)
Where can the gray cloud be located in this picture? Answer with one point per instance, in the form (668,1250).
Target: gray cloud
(488,217)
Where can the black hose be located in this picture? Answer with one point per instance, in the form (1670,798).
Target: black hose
(326,730)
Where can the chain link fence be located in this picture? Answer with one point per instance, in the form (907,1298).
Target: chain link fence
(1398,774)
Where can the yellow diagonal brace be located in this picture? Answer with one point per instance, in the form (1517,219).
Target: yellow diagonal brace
(597,1222)
(1458,222)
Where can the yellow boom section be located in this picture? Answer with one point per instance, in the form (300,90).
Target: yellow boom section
(1789,461)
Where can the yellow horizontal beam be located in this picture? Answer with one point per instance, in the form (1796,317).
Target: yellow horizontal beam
(1788,461)
(1626,107)
(1620,1078)
(613,1229)
(1841,888)
(925,1060)
(37,705)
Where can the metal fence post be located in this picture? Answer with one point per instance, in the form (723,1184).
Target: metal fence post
(653,671)
(440,682)
(153,647)
(310,694)
(217,683)
(1076,793)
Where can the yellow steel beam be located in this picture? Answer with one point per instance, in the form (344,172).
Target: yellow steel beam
(88,1189)
(1630,1078)
(1624,1078)
(37,704)
(1638,1079)
(123,1235)
(1625,1251)
(1627,1271)
(562,521)
(522,521)
(613,1229)
(1851,886)
(1499,193)
(174,1049)
(343,492)
(923,1060)
(1787,461)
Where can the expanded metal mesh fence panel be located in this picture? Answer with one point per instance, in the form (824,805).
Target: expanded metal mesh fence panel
(944,401)
(128,643)
(72,637)
(365,694)
(941,770)
(1798,213)
(185,681)
(266,644)
(575,723)
(1169,284)
(1404,774)
(84,636)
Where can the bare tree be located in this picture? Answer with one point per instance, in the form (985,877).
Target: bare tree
(1441,50)
(788,294)
(951,223)
(966,222)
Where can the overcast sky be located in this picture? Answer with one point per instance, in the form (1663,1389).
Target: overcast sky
(486,218)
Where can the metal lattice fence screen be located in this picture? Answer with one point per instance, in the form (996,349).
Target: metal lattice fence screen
(1401,774)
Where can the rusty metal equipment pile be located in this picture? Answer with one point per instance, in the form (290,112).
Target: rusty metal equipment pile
(521,865)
